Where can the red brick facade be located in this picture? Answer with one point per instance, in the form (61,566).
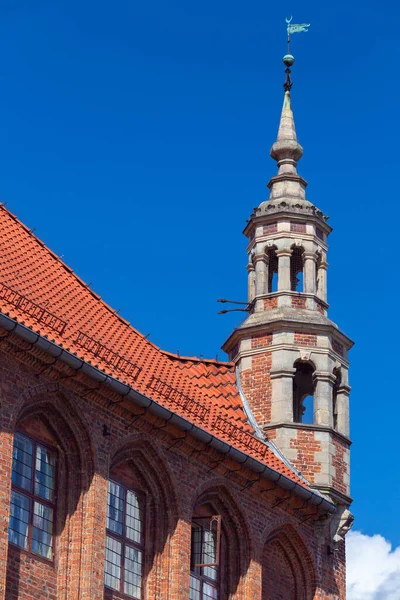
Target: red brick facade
(273,543)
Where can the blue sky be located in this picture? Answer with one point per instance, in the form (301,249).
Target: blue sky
(135,138)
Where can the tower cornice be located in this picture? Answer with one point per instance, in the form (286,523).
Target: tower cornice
(287,209)
(301,321)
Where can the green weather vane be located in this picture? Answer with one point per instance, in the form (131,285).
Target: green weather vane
(288,59)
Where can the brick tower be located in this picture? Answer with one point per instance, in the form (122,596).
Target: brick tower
(289,355)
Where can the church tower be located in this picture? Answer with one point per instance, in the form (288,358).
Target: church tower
(291,359)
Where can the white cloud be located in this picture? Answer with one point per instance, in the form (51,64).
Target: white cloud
(373,568)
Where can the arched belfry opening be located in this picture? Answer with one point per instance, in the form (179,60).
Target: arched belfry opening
(303,392)
(272,270)
(297,269)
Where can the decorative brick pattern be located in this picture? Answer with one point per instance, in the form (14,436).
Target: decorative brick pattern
(270,228)
(337,347)
(270,303)
(296,227)
(305,339)
(261,341)
(298,302)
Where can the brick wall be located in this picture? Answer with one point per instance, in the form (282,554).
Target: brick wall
(256,385)
(319,307)
(270,303)
(261,341)
(341,465)
(306,446)
(261,525)
(298,302)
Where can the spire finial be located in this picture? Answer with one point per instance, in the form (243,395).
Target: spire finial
(288,59)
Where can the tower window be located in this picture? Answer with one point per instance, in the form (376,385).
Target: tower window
(272,270)
(124,541)
(33,497)
(296,270)
(204,559)
(338,374)
(303,393)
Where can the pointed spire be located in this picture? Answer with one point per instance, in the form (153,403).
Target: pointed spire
(286,150)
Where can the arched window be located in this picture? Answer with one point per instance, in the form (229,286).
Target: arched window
(287,567)
(272,270)
(50,482)
(124,540)
(141,522)
(205,556)
(303,393)
(33,496)
(296,269)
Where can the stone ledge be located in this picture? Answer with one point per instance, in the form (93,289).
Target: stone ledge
(308,427)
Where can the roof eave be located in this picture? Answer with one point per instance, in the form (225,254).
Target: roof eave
(54,350)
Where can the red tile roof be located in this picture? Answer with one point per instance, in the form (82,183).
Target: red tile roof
(40,291)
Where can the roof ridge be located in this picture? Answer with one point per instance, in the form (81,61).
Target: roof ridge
(196,359)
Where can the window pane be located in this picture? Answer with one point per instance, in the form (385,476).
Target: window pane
(22,462)
(194,593)
(133,517)
(112,570)
(196,558)
(45,473)
(19,519)
(209,592)
(115,507)
(209,553)
(133,572)
(42,538)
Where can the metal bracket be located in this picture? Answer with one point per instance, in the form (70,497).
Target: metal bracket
(280,501)
(135,418)
(47,366)
(176,440)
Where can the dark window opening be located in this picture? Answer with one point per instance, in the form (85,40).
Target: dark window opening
(317,274)
(123,569)
(296,270)
(303,393)
(272,270)
(336,385)
(205,558)
(33,497)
